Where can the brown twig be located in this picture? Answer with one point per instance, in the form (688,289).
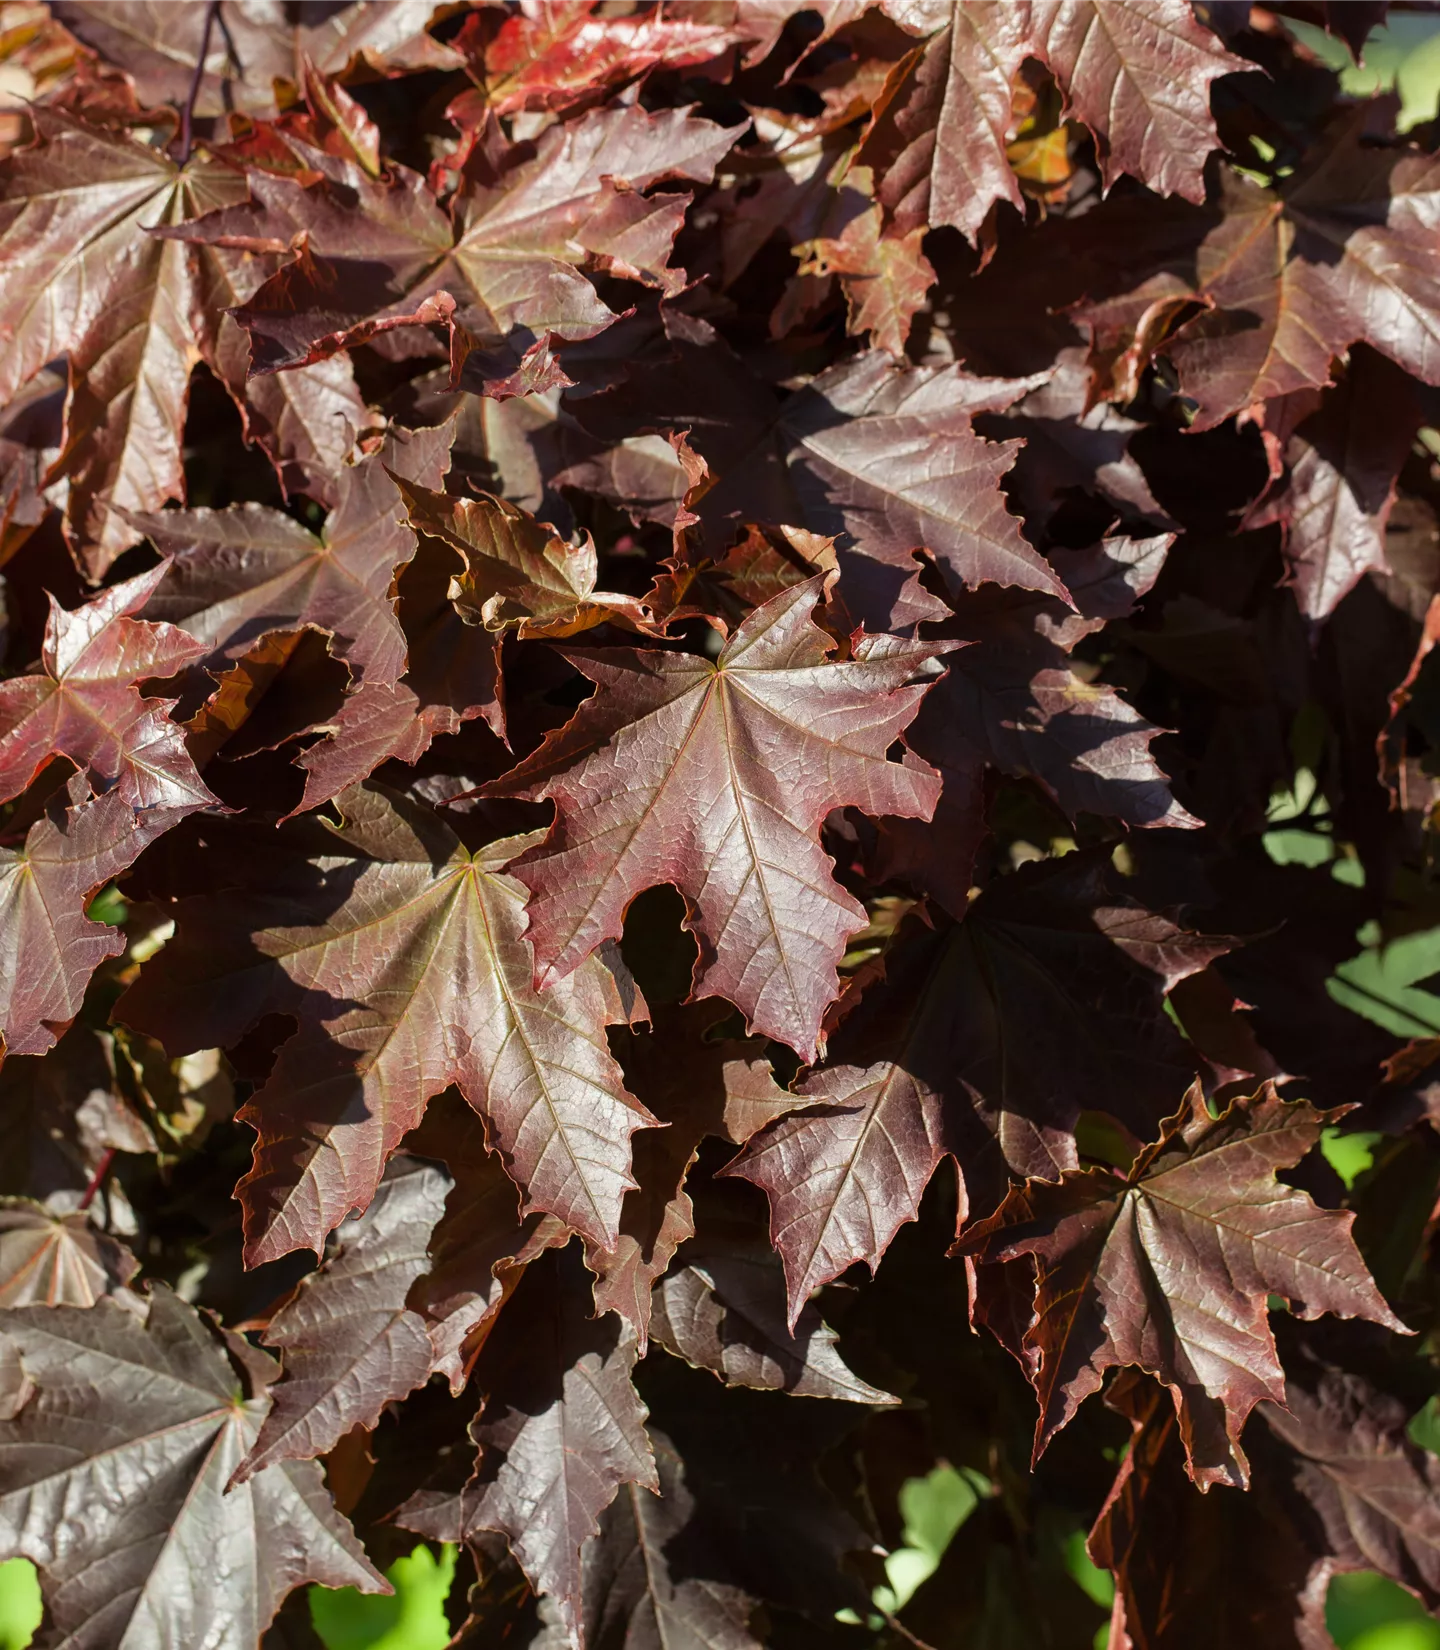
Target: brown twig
(187,117)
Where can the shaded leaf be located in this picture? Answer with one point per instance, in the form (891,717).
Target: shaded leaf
(937,1058)
(562,1429)
(151,1471)
(348,1343)
(1343,458)
(653,1572)
(724,1310)
(696,1087)
(1170,1268)
(1012,700)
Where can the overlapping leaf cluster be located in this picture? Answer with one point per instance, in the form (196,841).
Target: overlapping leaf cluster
(656,655)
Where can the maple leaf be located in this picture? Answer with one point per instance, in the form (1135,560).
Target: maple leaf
(237,575)
(349,1345)
(481,1245)
(1012,700)
(49,948)
(716,776)
(885,277)
(1169,1268)
(1290,278)
(1343,451)
(158,44)
(453,677)
(520,575)
(935,1059)
(639,1569)
(698,1088)
(501,264)
(723,1309)
(566,55)
(189,1406)
(400,953)
(885,457)
(1337,1486)
(60,1114)
(58,1260)
(87,705)
(92,285)
(562,1429)
(1139,76)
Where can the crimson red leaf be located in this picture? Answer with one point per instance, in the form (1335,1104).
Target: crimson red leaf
(567,54)
(88,706)
(716,777)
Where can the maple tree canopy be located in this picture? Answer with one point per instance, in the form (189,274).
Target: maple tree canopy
(719,786)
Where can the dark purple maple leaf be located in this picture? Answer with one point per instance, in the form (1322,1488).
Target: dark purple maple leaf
(935,1060)
(158,43)
(1139,76)
(191,1401)
(1170,1267)
(236,575)
(1013,701)
(400,953)
(1342,449)
(49,948)
(884,455)
(561,1431)
(348,1343)
(502,262)
(1337,1487)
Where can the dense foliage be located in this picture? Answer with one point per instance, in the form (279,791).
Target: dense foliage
(739,701)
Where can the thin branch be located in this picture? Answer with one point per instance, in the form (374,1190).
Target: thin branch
(212,10)
(102,1168)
